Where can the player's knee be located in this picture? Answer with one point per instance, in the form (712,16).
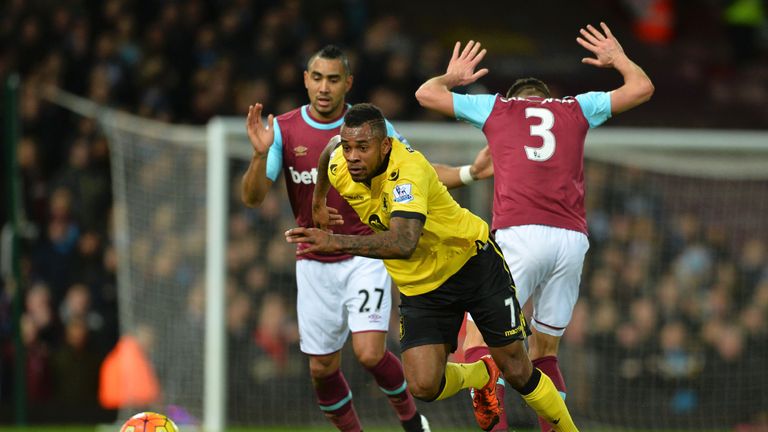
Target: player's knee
(425,391)
(321,367)
(369,358)
(320,371)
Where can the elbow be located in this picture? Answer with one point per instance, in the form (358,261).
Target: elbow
(401,255)
(407,251)
(250,201)
(647,91)
(251,204)
(400,250)
(424,96)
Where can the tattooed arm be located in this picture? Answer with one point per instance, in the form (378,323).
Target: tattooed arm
(397,243)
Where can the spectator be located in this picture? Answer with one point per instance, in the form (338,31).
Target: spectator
(76,372)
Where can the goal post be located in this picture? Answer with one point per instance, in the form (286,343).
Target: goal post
(215,396)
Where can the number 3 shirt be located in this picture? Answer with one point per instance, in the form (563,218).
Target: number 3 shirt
(537,146)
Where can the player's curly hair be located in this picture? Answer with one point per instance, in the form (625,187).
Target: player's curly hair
(531,86)
(362,113)
(332,52)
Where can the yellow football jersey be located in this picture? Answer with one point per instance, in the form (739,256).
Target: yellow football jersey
(410,188)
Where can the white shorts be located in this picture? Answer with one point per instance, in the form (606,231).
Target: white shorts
(334,298)
(546,264)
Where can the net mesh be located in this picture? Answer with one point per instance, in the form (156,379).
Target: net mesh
(160,243)
(670,329)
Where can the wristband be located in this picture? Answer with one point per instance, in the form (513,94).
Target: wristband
(465,176)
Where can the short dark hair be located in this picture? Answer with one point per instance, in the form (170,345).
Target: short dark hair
(362,113)
(332,52)
(536,85)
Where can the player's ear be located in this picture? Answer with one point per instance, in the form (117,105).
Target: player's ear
(386,145)
(349,80)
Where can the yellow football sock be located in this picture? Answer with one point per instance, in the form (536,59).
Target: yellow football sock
(547,403)
(463,375)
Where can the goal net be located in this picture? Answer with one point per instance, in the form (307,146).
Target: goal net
(670,330)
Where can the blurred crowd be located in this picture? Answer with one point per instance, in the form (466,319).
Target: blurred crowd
(669,303)
(672,322)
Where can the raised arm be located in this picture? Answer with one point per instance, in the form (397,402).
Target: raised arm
(453,177)
(255,184)
(435,93)
(637,87)
(397,243)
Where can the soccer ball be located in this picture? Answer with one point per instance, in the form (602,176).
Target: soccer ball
(149,422)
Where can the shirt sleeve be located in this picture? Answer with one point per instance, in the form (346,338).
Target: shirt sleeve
(334,165)
(275,155)
(392,132)
(596,107)
(473,109)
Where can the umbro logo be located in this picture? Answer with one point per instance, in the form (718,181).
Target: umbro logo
(555,421)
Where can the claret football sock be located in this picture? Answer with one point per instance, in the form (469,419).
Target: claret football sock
(549,366)
(335,400)
(388,374)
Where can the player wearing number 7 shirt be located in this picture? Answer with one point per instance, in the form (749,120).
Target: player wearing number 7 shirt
(536,145)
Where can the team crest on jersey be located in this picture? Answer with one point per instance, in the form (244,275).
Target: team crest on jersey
(374,221)
(333,168)
(402,193)
(300,151)
(394,175)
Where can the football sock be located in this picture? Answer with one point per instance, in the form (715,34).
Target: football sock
(462,375)
(335,400)
(388,374)
(541,395)
(474,354)
(549,366)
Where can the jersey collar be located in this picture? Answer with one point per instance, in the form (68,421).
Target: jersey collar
(323,126)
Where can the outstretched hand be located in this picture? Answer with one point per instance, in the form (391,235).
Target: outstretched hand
(315,240)
(603,45)
(462,65)
(324,216)
(261,135)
